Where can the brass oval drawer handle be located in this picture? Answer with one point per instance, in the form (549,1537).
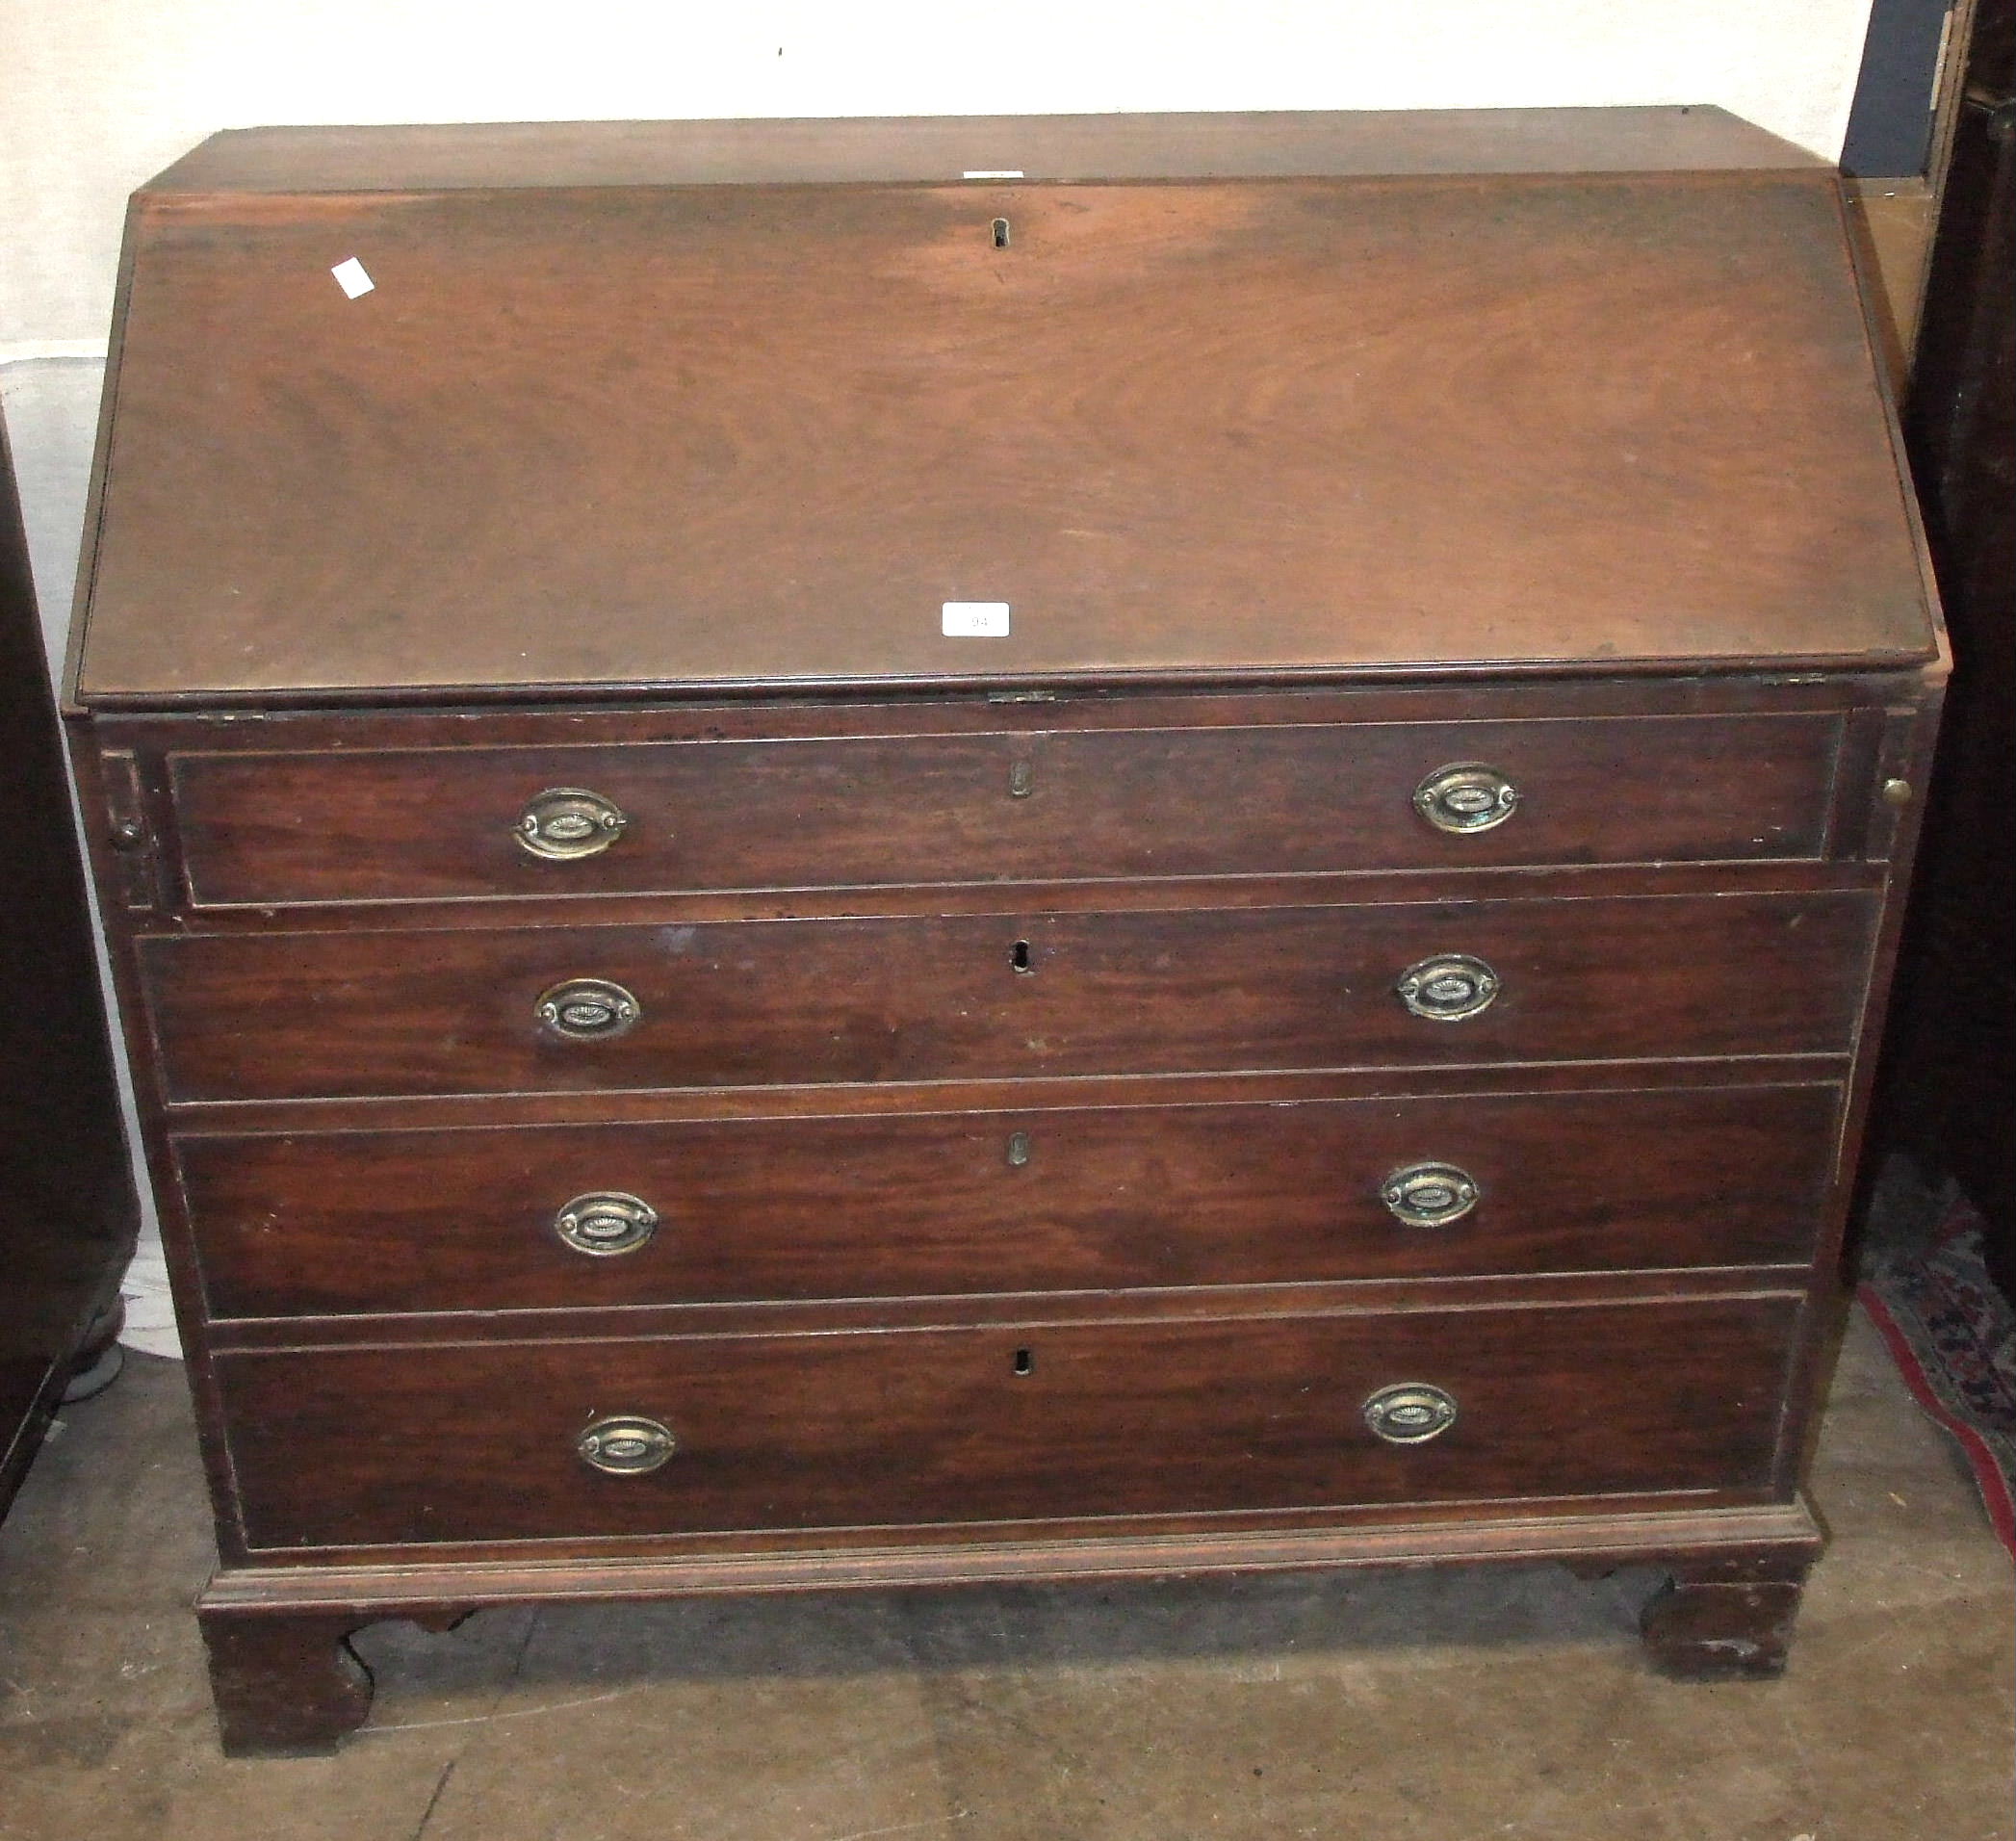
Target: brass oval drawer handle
(1448,988)
(1410,1412)
(1465,797)
(566,823)
(606,1222)
(626,1446)
(1430,1195)
(588,1009)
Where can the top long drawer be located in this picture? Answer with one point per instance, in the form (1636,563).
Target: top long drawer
(417,824)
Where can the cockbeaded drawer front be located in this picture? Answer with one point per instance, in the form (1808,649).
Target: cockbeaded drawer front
(430,823)
(946,1204)
(1006,1423)
(480,1010)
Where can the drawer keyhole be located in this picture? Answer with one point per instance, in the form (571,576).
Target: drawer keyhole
(1025,1361)
(1000,233)
(1019,956)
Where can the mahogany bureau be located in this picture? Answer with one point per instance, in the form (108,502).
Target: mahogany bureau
(874,853)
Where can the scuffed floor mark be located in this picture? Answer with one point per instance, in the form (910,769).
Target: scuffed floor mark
(904,1827)
(515,1713)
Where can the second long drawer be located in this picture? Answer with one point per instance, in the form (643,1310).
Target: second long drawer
(890,1206)
(785,1003)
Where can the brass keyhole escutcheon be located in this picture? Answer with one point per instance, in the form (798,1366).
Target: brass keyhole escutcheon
(1019,1150)
(566,822)
(606,1222)
(627,1445)
(588,1009)
(1410,1412)
(1430,1195)
(1448,988)
(1466,796)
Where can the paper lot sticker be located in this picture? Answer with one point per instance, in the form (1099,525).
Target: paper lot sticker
(974,621)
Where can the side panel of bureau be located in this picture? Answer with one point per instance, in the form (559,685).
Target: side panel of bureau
(1002,1423)
(354,1223)
(282,1015)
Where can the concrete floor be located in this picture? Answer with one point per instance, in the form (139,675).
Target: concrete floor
(1444,1705)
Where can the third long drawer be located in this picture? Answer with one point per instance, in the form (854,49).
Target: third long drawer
(892,1205)
(359,1013)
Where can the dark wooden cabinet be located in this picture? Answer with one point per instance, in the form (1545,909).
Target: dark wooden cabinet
(68,1210)
(834,873)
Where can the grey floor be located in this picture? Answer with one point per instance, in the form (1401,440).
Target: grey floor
(1444,1705)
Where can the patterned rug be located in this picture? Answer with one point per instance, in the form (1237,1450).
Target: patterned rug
(1953,1336)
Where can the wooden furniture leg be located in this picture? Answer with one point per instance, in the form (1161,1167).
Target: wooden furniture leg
(1724,1619)
(287,1684)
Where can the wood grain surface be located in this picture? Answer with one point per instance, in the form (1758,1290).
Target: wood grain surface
(357,1223)
(303,1015)
(918,810)
(1189,432)
(440,1444)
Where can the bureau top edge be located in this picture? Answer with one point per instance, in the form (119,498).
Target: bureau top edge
(932,148)
(1906,675)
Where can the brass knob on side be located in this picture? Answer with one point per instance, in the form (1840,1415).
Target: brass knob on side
(1430,1195)
(566,823)
(627,1445)
(1448,988)
(1410,1412)
(606,1222)
(1465,796)
(588,1009)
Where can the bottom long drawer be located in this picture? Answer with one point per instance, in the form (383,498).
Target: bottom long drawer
(481,1442)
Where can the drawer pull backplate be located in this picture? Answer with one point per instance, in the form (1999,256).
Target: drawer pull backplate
(1430,1195)
(606,1222)
(626,1446)
(588,1009)
(1448,988)
(1410,1412)
(1466,796)
(566,822)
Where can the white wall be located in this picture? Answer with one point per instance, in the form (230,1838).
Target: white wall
(97,94)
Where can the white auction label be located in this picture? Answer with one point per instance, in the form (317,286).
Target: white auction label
(996,172)
(352,280)
(974,619)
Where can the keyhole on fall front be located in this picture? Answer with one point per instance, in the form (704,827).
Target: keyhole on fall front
(1025,1361)
(1000,233)
(1019,956)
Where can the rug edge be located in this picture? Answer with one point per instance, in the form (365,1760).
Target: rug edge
(1988,1475)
